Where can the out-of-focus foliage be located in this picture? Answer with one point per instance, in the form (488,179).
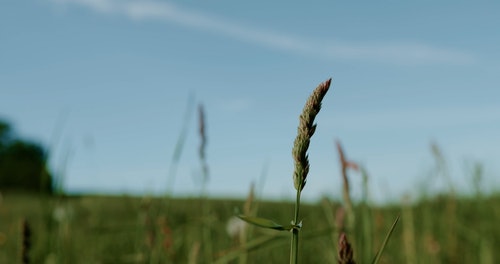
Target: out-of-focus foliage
(22,163)
(124,229)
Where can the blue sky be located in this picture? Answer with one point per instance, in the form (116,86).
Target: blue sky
(106,84)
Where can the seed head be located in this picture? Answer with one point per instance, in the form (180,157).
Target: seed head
(345,253)
(304,133)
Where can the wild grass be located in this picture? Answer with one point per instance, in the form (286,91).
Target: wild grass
(206,241)
(179,146)
(105,230)
(447,228)
(305,131)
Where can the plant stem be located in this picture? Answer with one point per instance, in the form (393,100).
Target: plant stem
(294,249)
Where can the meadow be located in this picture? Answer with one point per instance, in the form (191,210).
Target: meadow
(441,228)
(101,229)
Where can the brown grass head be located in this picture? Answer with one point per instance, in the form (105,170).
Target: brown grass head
(304,133)
(345,252)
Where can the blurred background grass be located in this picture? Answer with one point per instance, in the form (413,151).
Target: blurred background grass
(101,229)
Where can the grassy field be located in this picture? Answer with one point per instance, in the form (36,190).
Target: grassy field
(104,229)
(101,229)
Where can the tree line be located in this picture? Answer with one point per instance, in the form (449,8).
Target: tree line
(23,163)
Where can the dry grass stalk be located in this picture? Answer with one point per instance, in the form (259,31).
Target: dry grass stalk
(339,223)
(25,241)
(345,165)
(339,219)
(345,252)
(305,131)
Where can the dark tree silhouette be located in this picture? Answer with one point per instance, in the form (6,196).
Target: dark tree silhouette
(22,164)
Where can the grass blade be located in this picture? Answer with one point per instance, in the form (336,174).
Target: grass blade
(379,253)
(264,222)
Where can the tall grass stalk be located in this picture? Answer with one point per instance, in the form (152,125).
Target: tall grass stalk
(345,165)
(179,146)
(205,207)
(54,240)
(366,219)
(248,209)
(486,254)
(408,231)
(54,142)
(451,204)
(26,243)
(331,216)
(202,148)
(305,131)
(153,208)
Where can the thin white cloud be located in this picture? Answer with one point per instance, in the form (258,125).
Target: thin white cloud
(401,53)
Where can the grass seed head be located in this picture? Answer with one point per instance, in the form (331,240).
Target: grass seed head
(304,133)
(345,252)
(201,130)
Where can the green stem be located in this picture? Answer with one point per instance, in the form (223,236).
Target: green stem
(294,250)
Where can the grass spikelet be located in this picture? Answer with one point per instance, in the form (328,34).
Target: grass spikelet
(304,133)
(203,141)
(345,252)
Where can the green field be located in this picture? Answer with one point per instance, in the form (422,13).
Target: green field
(445,228)
(102,229)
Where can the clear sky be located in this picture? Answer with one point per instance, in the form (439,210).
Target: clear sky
(106,84)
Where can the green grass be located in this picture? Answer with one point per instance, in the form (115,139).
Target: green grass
(103,229)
